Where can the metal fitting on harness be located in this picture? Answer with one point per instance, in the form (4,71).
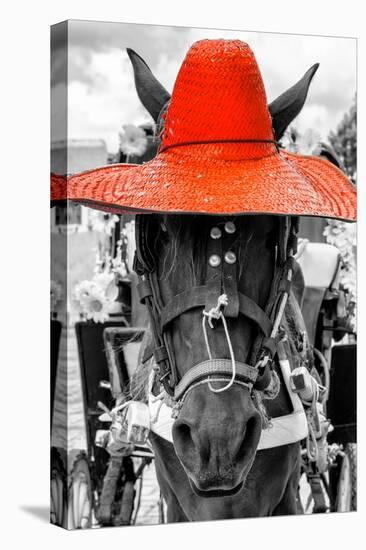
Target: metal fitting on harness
(160,354)
(303,383)
(264,378)
(144,290)
(270,345)
(130,425)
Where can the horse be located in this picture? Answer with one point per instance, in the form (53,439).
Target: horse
(213,468)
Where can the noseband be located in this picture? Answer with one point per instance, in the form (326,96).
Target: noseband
(221,280)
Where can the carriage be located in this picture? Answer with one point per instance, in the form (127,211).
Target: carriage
(333,484)
(94,487)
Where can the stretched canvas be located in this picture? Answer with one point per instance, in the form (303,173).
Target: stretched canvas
(203,274)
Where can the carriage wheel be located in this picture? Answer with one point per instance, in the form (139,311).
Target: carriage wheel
(80,495)
(347,484)
(58,490)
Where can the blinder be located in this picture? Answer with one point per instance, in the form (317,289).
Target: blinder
(258,372)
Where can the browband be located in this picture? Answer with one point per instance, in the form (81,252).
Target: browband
(196,297)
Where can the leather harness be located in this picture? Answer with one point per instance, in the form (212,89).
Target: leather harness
(219,279)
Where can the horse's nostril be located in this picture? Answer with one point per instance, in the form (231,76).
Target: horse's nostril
(184,431)
(187,440)
(189,446)
(183,434)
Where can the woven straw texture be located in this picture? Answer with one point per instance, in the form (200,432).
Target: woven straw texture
(206,164)
(58,187)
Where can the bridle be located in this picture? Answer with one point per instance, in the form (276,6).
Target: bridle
(221,279)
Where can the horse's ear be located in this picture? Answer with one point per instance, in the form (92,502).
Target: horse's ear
(152,94)
(287,106)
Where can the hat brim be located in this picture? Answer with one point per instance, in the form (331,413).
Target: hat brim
(177,182)
(58,189)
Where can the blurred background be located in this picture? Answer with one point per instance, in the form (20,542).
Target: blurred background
(101,91)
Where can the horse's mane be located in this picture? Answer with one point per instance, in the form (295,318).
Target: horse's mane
(139,383)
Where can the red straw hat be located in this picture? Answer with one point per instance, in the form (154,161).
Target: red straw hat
(218,153)
(58,188)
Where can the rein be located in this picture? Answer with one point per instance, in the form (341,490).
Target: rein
(220,299)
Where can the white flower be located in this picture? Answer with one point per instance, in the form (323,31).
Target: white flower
(103,279)
(119,267)
(306,144)
(132,140)
(106,282)
(91,301)
(56,294)
(102,222)
(94,298)
(309,143)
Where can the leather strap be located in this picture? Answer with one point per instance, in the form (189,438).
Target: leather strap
(217,367)
(144,259)
(144,290)
(196,297)
(160,354)
(316,489)
(284,232)
(253,311)
(229,274)
(213,273)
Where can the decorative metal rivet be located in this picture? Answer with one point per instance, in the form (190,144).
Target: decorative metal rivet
(215,233)
(214,260)
(230,227)
(230,257)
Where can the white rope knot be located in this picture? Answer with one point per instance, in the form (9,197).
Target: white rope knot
(216,313)
(164,399)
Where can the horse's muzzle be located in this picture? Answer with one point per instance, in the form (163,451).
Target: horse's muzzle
(215,493)
(215,438)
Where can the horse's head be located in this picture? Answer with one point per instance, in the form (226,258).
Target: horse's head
(194,260)
(215,434)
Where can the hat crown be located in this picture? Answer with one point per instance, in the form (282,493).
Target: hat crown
(218,105)
(218,96)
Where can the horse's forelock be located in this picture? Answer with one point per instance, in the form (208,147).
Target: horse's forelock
(180,244)
(183,249)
